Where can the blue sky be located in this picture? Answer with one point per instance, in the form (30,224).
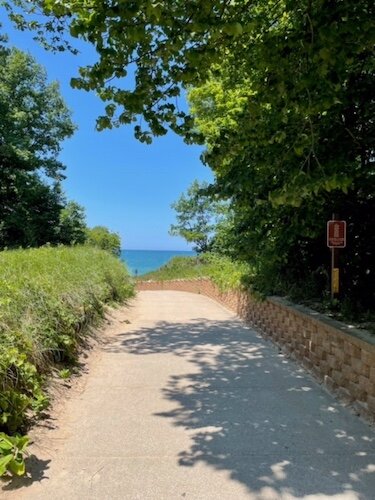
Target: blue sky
(123,184)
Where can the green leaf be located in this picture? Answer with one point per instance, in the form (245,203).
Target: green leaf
(17,467)
(233,29)
(4,462)
(22,443)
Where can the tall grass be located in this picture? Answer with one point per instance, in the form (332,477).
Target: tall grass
(48,297)
(223,271)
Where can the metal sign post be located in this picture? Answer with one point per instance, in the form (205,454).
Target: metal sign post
(336,238)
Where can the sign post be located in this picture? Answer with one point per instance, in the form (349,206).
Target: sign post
(336,238)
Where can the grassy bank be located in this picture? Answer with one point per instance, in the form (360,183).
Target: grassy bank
(48,297)
(226,273)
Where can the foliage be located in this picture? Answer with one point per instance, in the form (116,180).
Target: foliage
(65,373)
(176,268)
(295,51)
(290,136)
(169,44)
(21,388)
(225,272)
(29,209)
(197,215)
(102,237)
(12,452)
(72,224)
(33,122)
(34,118)
(49,297)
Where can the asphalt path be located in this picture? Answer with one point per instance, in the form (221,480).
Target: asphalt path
(184,401)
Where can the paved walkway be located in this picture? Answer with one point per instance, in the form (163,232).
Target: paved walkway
(185,402)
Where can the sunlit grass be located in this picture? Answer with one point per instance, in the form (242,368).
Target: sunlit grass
(226,273)
(48,298)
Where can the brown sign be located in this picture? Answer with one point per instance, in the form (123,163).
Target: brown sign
(336,234)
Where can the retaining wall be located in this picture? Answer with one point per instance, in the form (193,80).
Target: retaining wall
(340,357)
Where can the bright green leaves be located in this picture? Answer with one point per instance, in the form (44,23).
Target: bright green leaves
(4,461)
(166,43)
(180,42)
(233,29)
(17,399)
(12,452)
(101,237)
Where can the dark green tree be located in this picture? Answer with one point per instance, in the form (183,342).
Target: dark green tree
(72,224)
(29,209)
(197,216)
(33,122)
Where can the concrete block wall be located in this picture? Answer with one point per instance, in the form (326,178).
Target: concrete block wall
(340,357)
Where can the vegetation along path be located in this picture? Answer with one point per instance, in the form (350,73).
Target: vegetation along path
(184,401)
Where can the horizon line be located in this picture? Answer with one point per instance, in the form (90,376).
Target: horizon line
(155,250)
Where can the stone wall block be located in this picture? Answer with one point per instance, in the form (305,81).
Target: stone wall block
(357,365)
(357,392)
(368,358)
(327,346)
(353,376)
(364,384)
(307,363)
(347,371)
(338,377)
(329,383)
(318,373)
(332,361)
(338,352)
(325,369)
(370,389)
(352,349)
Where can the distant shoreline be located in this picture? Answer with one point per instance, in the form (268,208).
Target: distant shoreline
(148,250)
(140,262)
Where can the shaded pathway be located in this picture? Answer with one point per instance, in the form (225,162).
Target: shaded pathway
(187,402)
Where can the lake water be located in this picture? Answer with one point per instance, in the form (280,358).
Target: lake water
(143,261)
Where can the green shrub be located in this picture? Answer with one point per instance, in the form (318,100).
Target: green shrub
(102,237)
(12,452)
(223,271)
(48,297)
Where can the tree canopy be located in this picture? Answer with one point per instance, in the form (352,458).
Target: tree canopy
(29,209)
(169,45)
(72,224)
(34,120)
(174,44)
(290,136)
(197,216)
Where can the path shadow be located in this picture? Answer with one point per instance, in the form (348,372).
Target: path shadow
(254,413)
(36,472)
